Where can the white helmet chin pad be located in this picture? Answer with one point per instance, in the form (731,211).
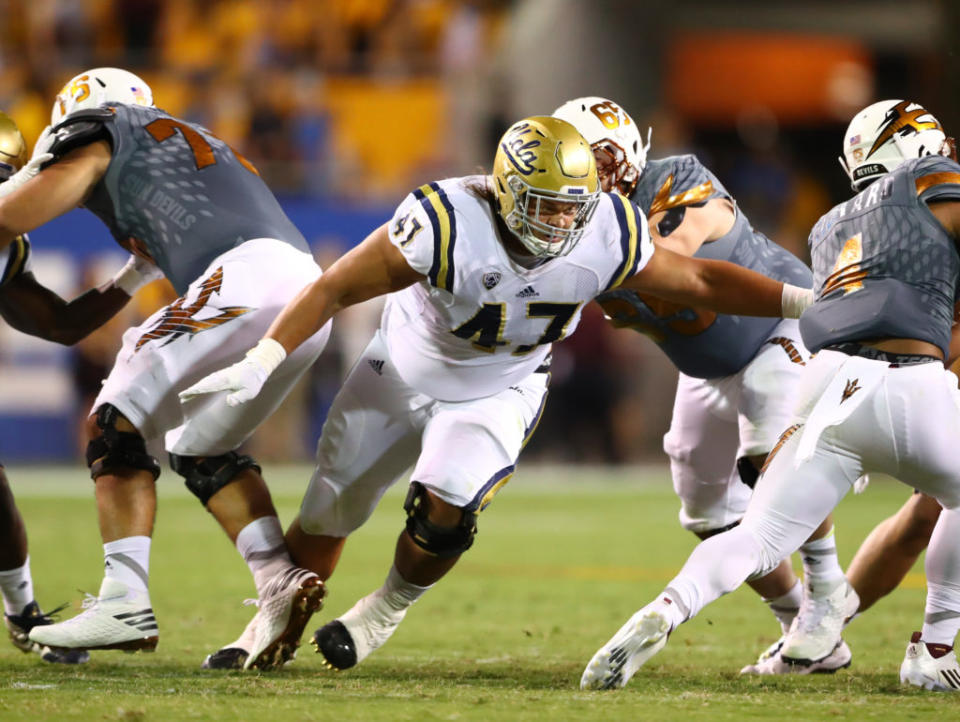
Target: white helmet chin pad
(883,135)
(95,87)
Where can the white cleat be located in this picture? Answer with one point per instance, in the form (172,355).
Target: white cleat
(351,638)
(921,669)
(770,662)
(116,619)
(286,605)
(816,630)
(644,634)
(234,655)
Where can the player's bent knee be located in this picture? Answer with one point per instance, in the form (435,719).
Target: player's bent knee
(110,450)
(204,476)
(441,541)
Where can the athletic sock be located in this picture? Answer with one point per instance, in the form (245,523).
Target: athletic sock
(941,620)
(261,545)
(821,568)
(787,606)
(16,585)
(128,561)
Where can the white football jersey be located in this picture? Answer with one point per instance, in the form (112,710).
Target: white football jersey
(479,322)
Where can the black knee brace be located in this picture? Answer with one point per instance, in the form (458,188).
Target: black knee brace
(204,476)
(441,541)
(114,450)
(748,472)
(714,532)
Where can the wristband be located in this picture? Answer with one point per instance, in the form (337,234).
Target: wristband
(794,300)
(268,354)
(129,279)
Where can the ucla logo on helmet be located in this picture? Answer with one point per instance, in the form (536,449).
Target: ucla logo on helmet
(520,152)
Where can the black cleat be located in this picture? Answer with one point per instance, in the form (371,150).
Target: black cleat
(19,626)
(334,642)
(226,658)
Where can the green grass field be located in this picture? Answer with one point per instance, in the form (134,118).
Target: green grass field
(563,557)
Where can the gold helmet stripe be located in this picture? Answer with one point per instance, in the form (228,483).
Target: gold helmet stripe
(443,219)
(898,118)
(631,225)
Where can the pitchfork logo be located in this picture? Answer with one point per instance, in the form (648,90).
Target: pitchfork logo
(179,320)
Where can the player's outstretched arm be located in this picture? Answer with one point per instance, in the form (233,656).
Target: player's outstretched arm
(53,191)
(34,309)
(372,269)
(717,285)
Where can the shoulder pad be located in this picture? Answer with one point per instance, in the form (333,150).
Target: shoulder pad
(81,128)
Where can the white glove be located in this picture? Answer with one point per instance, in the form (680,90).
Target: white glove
(41,154)
(245,378)
(136,274)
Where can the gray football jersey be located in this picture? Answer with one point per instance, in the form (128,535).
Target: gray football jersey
(701,343)
(883,266)
(182,193)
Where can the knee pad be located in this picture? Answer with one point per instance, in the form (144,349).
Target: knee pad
(748,472)
(204,476)
(441,541)
(114,449)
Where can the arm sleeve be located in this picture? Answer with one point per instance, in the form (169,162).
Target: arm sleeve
(17,259)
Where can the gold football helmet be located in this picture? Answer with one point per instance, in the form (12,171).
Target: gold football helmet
(545,181)
(13,148)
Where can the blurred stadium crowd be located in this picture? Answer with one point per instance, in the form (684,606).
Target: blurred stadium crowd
(346,104)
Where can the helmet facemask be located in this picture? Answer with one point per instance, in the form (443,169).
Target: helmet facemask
(531,205)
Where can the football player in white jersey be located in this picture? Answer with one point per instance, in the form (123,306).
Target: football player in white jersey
(483,275)
(738,376)
(34,309)
(876,397)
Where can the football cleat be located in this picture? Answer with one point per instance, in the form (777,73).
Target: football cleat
(644,634)
(931,666)
(285,606)
(235,654)
(816,630)
(19,626)
(351,638)
(116,619)
(770,662)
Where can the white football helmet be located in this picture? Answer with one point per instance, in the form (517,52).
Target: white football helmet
(613,136)
(98,86)
(883,135)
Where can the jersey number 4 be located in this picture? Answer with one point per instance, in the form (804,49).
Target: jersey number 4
(165,128)
(485,329)
(847,274)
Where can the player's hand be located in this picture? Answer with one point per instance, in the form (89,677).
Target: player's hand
(41,154)
(245,378)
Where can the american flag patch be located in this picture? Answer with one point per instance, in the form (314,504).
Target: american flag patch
(854,140)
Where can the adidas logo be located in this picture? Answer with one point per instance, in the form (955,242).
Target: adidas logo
(377,366)
(527,292)
(142,620)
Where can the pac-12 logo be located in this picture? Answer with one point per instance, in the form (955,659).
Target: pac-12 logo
(519,152)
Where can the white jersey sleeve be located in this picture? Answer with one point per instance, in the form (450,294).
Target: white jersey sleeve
(424,228)
(621,230)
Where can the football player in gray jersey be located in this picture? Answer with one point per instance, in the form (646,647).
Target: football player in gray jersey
(738,374)
(34,309)
(876,397)
(174,194)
